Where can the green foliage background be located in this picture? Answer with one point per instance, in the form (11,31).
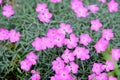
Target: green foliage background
(25,20)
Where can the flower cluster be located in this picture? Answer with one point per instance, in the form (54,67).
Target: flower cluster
(11,35)
(29,61)
(7,11)
(44,14)
(55,1)
(100,71)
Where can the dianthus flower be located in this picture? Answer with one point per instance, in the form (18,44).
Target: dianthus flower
(102,76)
(14,36)
(41,7)
(67,56)
(35,75)
(85,39)
(32,57)
(115,54)
(101,45)
(93,8)
(109,65)
(4,34)
(103,1)
(107,34)
(81,53)
(112,78)
(96,25)
(97,68)
(113,6)
(8,11)
(72,42)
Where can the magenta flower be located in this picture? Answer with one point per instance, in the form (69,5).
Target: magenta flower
(101,45)
(67,56)
(0,1)
(116,54)
(102,76)
(36,43)
(92,76)
(59,40)
(112,78)
(93,8)
(58,64)
(14,36)
(81,53)
(50,42)
(65,28)
(113,6)
(76,4)
(7,11)
(32,57)
(96,25)
(109,65)
(103,1)
(52,32)
(81,12)
(107,34)
(35,75)
(72,42)
(4,34)
(25,65)
(85,39)
(45,16)
(97,68)
(55,1)
(64,74)
(73,67)
(41,7)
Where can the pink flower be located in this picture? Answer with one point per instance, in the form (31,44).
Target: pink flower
(35,75)
(116,54)
(76,4)
(41,7)
(4,34)
(107,34)
(14,36)
(25,65)
(93,8)
(113,6)
(96,25)
(32,57)
(64,74)
(55,1)
(112,78)
(109,65)
(50,42)
(85,39)
(8,11)
(52,32)
(102,76)
(67,56)
(59,40)
(73,67)
(81,12)
(92,76)
(81,53)
(58,64)
(101,45)
(0,1)
(65,28)
(36,43)
(97,68)
(45,16)
(103,1)
(72,42)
